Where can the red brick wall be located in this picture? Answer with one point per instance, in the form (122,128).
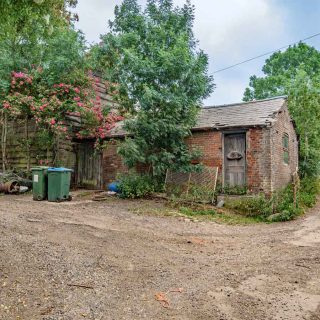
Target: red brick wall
(258,160)
(210,145)
(208,142)
(265,169)
(282,172)
(258,174)
(112,163)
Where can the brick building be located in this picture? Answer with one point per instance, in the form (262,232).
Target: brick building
(254,144)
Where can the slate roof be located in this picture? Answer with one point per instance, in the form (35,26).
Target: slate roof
(246,114)
(106,99)
(259,113)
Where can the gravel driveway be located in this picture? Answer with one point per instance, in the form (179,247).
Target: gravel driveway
(98,260)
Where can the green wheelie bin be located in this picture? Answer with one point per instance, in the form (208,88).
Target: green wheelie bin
(40,183)
(59,184)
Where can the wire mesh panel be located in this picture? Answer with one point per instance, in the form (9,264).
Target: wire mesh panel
(194,186)
(177,183)
(202,184)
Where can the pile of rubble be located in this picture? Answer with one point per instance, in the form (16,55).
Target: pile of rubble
(12,183)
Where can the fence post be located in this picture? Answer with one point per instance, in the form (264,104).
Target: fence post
(215,184)
(188,185)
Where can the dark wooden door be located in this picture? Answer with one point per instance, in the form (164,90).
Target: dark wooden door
(235,159)
(89,170)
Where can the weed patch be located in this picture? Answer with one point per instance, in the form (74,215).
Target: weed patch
(134,185)
(194,212)
(257,206)
(281,206)
(207,213)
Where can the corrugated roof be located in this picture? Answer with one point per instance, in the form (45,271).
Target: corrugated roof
(245,114)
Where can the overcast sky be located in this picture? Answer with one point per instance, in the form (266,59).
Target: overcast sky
(229,31)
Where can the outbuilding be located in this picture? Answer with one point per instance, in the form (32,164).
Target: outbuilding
(254,145)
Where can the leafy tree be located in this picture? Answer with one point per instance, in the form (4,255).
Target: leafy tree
(25,27)
(295,72)
(280,69)
(304,106)
(161,78)
(44,73)
(64,57)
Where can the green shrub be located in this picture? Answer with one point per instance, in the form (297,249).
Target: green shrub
(285,215)
(232,190)
(283,199)
(251,206)
(307,200)
(284,208)
(133,185)
(309,190)
(281,206)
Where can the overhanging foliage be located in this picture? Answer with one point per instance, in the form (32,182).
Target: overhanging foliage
(295,72)
(162,78)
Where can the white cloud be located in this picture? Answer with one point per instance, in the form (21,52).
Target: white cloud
(228,30)
(94,16)
(232,31)
(236,26)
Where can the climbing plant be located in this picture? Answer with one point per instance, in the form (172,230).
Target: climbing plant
(51,107)
(44,75)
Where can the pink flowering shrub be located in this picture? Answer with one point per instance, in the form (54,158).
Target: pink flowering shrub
(52,107)
(20,99)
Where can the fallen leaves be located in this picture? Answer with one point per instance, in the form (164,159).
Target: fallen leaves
(162,296)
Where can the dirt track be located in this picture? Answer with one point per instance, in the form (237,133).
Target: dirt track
(89,260)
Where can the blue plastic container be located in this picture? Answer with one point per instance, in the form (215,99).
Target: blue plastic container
(114,186)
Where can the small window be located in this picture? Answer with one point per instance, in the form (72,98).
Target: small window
(285,145)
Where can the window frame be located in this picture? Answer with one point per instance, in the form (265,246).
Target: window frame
(285,148)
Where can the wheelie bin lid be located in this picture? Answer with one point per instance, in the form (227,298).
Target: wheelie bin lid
(61,169)
(39,168)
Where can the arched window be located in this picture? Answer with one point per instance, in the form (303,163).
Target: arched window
(285,146)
